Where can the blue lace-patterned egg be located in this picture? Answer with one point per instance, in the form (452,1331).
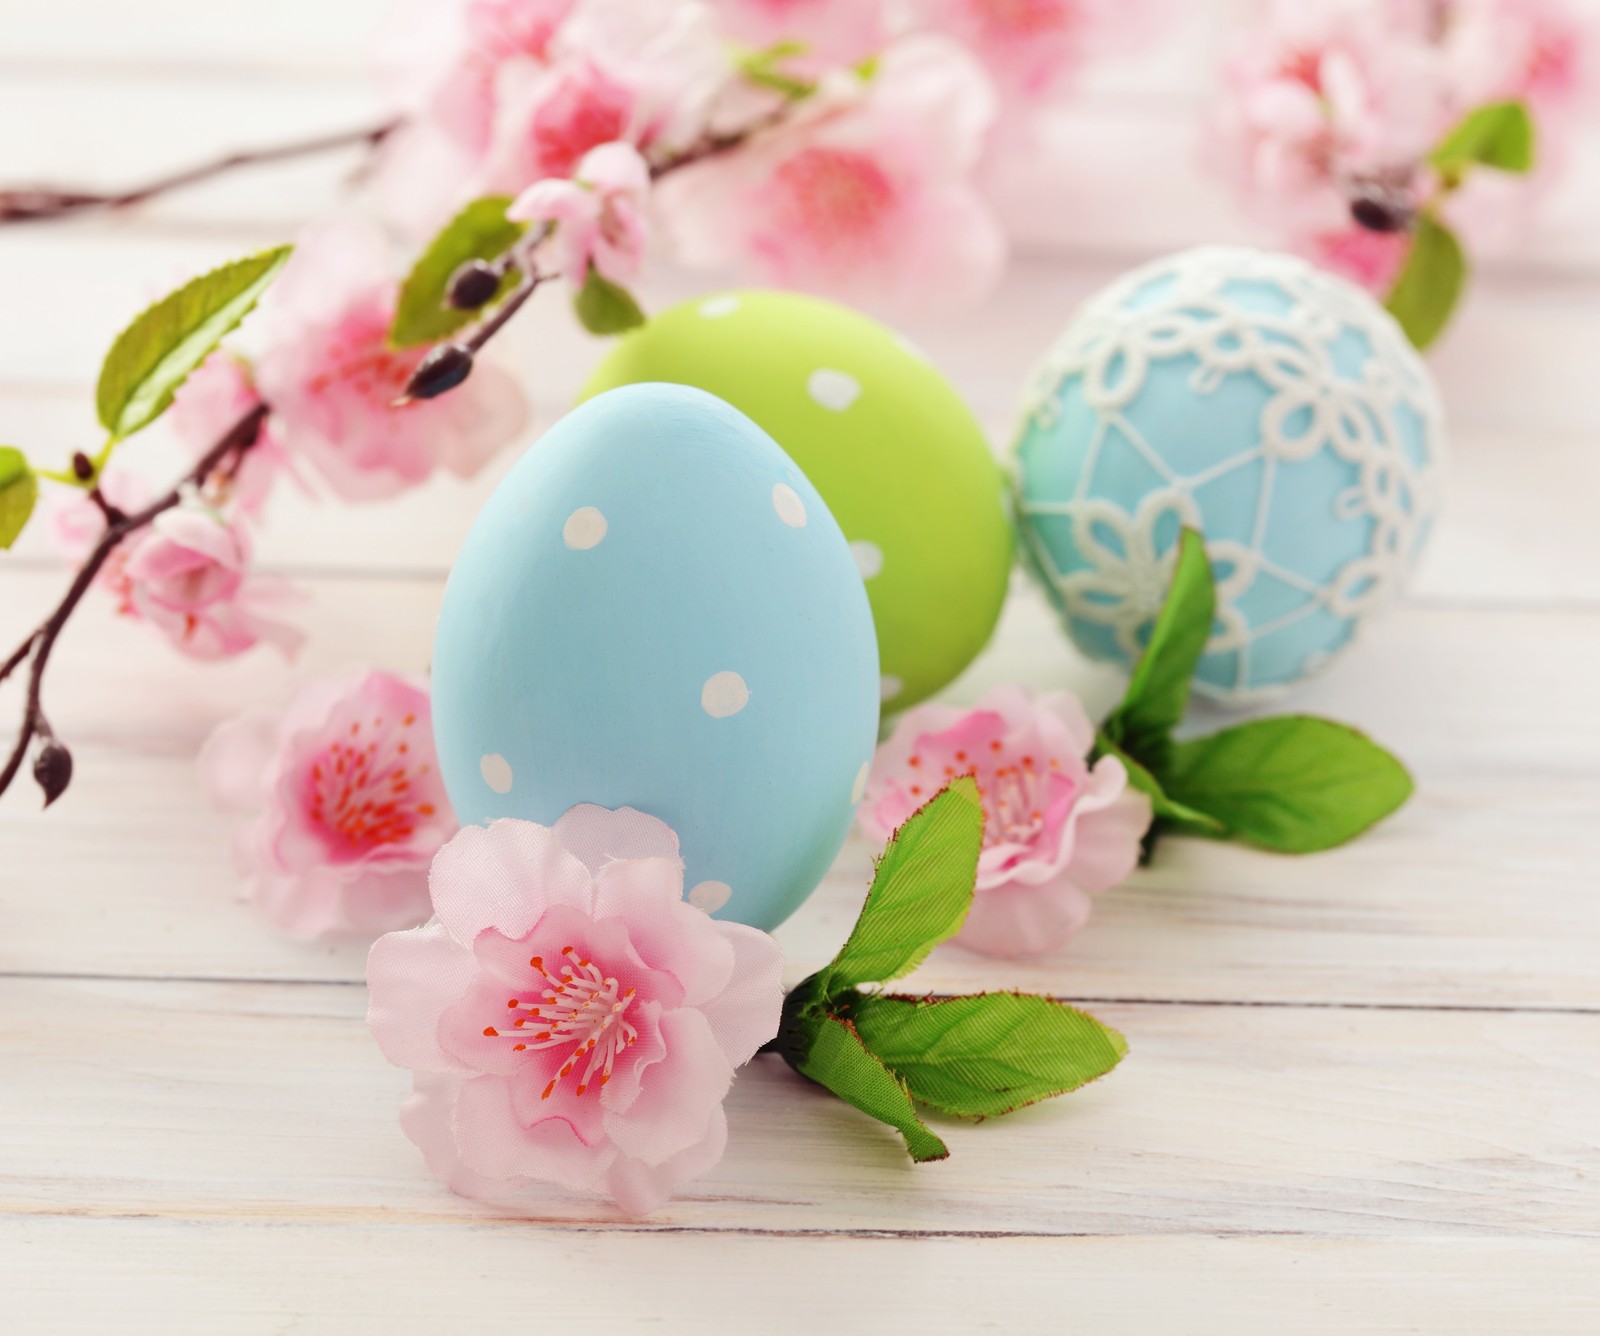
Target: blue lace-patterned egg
(656,610)
(1276,408)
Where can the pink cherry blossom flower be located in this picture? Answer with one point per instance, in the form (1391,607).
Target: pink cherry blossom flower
(865,192)
(189,574)
(346,802)
(644,73)
(834,32)
(1031,47)
(1324,96)
(568,1017)
(220,392)
(332,377)
(597,217)
(1056,830)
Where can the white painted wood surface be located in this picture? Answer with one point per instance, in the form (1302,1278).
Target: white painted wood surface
(1364,1088)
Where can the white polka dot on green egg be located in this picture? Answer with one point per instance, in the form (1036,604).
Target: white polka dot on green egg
(878,430)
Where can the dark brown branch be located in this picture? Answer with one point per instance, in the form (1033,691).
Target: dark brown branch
(38,204)
(223,456)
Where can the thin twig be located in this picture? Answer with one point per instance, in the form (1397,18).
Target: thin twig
(225,455)
(36,205)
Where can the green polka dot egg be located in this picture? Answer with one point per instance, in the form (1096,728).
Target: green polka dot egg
(881,434)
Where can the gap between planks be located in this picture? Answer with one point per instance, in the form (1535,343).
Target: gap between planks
(1067,999)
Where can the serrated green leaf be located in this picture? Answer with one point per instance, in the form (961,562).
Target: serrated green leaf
(839,1061)
(1162,804)
(1430,282)
(605,308)
(986,1054)
(19,493)
(1499,135)
(1158,691)
(481,231)
(1294,783)
(154,355)
(920,894)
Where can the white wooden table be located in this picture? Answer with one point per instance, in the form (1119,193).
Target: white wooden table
(1364,1088)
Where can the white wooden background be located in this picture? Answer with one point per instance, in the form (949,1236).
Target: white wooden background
(1364,1088)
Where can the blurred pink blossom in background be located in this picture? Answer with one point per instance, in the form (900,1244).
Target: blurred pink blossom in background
(332,376)
(1329,101)
(220,392)
(346,804)
(865,192)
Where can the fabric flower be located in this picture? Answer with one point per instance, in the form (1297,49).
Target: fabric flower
(347,803)
(1056,830)
(332,377)
(864,192)
(598,216)
(216,395)
(189,574)
(568,1017)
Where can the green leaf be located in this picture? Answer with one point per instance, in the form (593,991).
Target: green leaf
(1430,283)
(1293,783)
(1162,804)
(920,894)
(19,491)
(1158,692)
(154,355)
(605,308)
(989,1053)
(763,68)
(481,231)
(1499,135)
(838,1060)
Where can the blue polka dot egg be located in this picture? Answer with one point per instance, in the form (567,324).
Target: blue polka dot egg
(656,610)
(1276,408)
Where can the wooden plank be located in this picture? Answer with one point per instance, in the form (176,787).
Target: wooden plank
(249,1102)
(152,1277)
(1479,892)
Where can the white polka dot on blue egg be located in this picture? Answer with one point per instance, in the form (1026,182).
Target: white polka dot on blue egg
(656,610)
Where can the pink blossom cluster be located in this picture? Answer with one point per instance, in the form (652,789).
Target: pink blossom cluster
(330,378)
(1331,102)
(869,186)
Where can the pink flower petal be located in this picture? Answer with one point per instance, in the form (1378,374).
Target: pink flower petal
(679,1095)
(413,978)
(236,760)
(504,877)
(745,1014)
(492,1142)
(1016,920)
(640,1188)
(597,835)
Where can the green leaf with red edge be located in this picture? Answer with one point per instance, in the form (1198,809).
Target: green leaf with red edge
(986,1054)
(837,1060)
(921,891)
